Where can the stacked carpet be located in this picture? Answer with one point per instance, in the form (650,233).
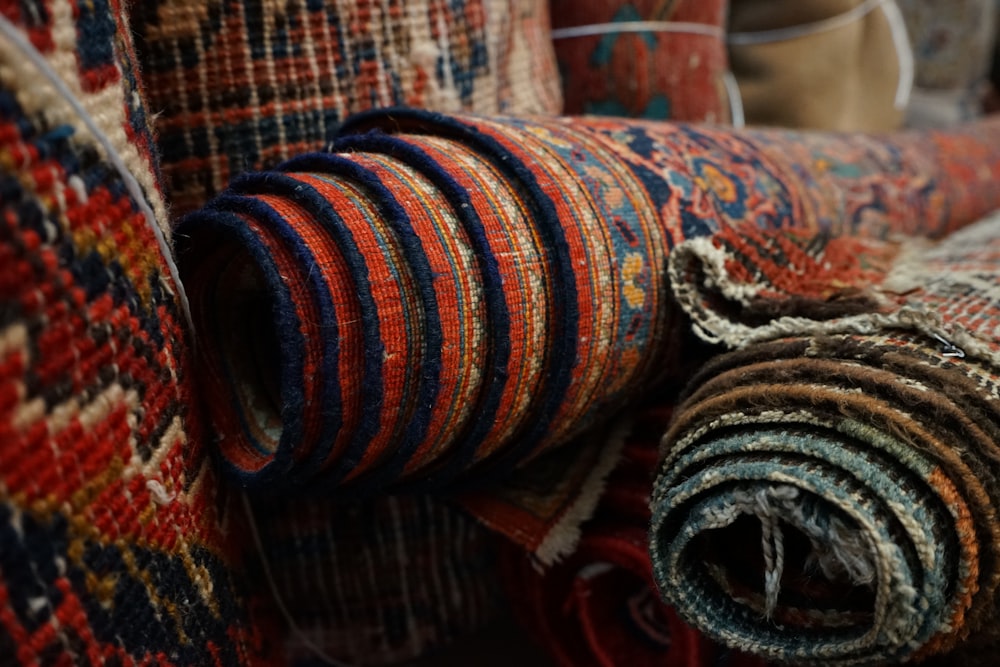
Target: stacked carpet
(448,297)
(240,85)
(116,544)
(830,485)
(379,582)
(658,59)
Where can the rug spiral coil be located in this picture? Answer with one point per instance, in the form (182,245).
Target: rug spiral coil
(855,449)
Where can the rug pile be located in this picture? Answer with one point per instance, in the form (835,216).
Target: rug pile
(241,85)
(117,543)
(655,59)
(392,365)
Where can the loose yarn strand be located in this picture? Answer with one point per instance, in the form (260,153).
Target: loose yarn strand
(615,27)
(276,594)
(904,52)
(736,113)
(10,32)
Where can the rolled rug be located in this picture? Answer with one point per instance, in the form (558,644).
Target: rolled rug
(117,546)
(459,293)
(240,85)
(657,59)
(829,488)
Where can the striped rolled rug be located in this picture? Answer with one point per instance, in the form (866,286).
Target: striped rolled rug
(447,296)
(829,489)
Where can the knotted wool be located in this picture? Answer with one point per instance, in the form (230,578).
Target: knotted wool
(117,545)
(240,85)
(830,486)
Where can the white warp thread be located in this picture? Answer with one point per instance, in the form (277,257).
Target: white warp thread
(12,33)
(276,593)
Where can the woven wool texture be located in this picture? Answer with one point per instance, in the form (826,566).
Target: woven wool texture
(114,541)
(656,72)
(830,487)
(541,506)
(240,85)
(380,582)
(467,292)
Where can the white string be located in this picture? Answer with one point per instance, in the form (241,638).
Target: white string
(10,31)
(276,594)
(638,26)
(736,114)
(904,53)
(735,38)
(897,28)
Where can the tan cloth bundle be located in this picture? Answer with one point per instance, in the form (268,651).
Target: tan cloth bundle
(842,78)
